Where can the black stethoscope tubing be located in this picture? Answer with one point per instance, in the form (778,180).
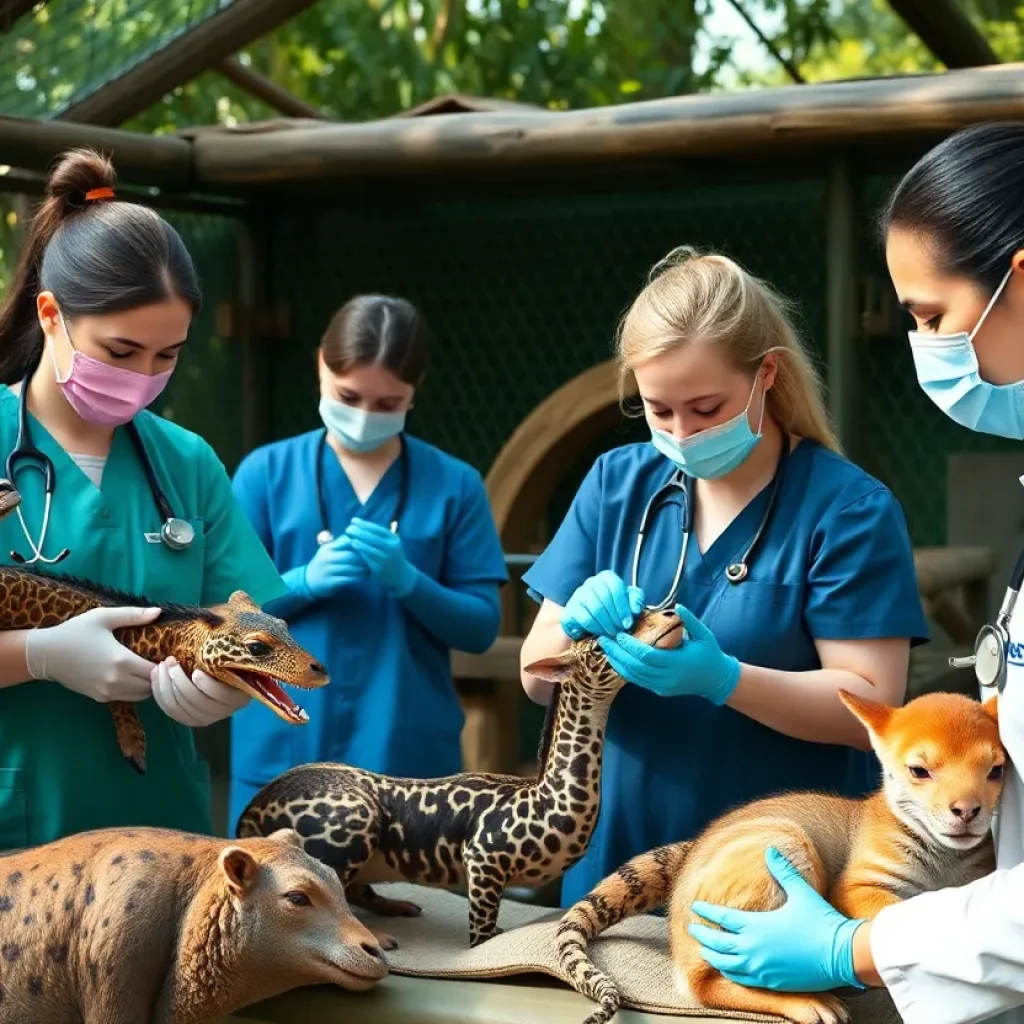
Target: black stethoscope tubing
(680,483)
(175,533)
(325,535)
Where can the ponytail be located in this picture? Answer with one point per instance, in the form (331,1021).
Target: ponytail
(95,254)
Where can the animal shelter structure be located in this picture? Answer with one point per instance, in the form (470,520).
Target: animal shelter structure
(523,234)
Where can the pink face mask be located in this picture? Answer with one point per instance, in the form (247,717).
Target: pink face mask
(106,395)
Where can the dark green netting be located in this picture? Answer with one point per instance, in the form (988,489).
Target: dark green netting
(65,50)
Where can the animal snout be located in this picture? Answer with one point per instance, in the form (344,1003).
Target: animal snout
(965,810)
(317,668)
(372,949)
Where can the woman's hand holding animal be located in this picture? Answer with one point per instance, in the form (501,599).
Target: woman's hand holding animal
(804,946)
(697,667)
(83,655)
(382,552)
(196,701)
(335,565)
(601,606)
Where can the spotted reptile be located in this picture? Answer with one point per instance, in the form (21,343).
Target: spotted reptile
(233,642)
(479,830)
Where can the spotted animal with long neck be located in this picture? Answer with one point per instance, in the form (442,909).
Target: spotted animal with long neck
(480,830)
(235,643)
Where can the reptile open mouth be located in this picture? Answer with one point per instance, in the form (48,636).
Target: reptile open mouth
(270,692)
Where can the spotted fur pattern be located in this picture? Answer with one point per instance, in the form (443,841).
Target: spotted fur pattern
(221,641)
(479,830)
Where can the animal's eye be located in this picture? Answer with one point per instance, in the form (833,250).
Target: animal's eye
(996,774)
(257,648)
(297,899)
(918,772)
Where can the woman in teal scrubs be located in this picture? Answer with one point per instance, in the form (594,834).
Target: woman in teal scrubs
(747,706)
(391,555)
(90,332)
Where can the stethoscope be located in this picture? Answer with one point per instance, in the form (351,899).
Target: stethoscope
(325,536)
(679,483)
(989,657)
(177,534)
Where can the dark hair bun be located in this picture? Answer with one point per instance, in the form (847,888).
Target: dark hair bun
(79,172)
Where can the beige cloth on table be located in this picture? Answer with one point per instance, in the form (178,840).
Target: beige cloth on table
(634,953)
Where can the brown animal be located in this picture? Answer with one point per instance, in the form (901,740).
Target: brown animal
(487,831)
(124,926)
(925,829)
(234,642)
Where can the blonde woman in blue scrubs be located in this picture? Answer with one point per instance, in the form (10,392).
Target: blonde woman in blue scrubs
(90,333)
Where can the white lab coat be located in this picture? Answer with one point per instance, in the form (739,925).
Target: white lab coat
(957,956)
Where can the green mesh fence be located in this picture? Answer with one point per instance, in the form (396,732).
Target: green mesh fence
(522,296)
(67,49)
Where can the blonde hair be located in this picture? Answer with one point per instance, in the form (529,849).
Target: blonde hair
(691,295)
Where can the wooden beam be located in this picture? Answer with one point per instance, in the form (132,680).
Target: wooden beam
(707,124)
(164,161)
(12,11)
(264,89)
(188,56)
(944,27)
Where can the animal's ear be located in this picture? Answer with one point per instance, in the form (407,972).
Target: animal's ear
(242,602)
(287,836)
(555,670)
(872,714)
(239,867)
(991,707)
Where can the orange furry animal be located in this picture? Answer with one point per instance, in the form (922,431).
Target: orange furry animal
(926,828)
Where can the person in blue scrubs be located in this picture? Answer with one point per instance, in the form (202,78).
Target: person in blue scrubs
(381,607)
(747,705)
(91,331)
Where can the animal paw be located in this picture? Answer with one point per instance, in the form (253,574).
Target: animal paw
(820,1009)
(395,908)
(387,942)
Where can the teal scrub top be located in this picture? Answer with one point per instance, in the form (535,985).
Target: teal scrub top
(61,770)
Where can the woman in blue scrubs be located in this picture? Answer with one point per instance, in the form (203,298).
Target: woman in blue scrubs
(747,706)
(391,555)
(90,333)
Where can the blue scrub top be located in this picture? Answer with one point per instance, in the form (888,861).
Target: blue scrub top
(391,705)
(834,563)
(61,770)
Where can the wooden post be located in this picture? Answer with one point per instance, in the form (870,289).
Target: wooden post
(264,89)
(842,278)
(947,31)
(218,36)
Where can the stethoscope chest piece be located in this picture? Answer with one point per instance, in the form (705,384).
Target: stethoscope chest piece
(736,572)
(990,655)
(177,533)
(324,537)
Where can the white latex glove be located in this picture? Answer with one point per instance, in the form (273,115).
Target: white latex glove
(83,655)
(201,700)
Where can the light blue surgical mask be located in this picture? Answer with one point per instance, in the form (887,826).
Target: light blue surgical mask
(948,372)
(357,429)
(715,451)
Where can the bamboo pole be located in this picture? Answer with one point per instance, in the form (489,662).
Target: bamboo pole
(140,159)
(709,124)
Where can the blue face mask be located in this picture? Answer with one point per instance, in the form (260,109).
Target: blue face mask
(948,372)
(715,451)
(356,429)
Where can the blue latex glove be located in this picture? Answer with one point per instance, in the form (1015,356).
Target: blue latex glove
(335,565)
(382,552)
(601,606)
(804,946)
(696,668)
